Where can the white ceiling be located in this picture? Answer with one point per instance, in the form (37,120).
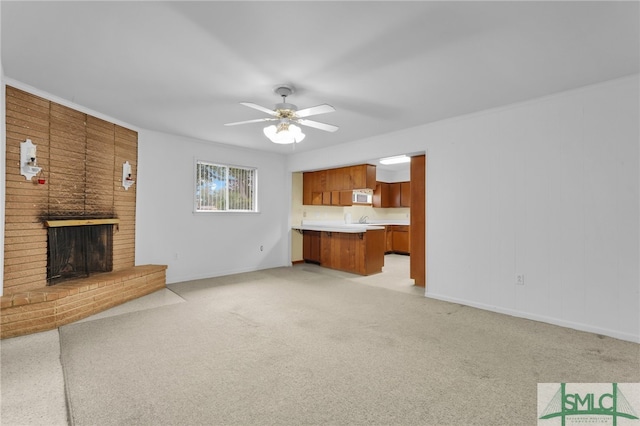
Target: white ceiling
(182,67)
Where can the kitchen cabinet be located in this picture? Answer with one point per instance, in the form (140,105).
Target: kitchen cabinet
(316,184)
(335,198)
(346,198)
(307,188)
(359,253)
(334,179)
(381,195)
(395,194)
(405,194)
(363,176)
(388,240)
(398,239)
(311,246)
(401,240)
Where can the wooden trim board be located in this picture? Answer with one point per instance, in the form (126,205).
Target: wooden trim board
(79,222)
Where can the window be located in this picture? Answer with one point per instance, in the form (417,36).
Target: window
(223,188)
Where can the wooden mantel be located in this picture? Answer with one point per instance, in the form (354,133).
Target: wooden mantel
(79,222)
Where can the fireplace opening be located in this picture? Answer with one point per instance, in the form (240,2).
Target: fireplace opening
(78,251)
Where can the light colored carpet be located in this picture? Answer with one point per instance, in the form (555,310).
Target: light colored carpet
(306,345)
(31,381)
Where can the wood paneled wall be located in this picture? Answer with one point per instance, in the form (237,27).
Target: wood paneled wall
(81,157)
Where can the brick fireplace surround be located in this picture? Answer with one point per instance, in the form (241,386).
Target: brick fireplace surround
(81,157)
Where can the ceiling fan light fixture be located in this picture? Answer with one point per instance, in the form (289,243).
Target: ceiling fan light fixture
(284,133)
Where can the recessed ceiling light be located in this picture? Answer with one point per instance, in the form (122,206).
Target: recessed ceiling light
(395,160)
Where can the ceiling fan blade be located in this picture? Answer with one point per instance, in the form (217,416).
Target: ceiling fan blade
(318,125)
(257,120)
(259,108)
(315,110)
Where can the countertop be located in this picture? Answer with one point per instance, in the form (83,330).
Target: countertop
(354,228)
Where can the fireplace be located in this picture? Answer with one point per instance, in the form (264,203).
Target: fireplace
(78,248)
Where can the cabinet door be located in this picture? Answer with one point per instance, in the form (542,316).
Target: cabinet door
(316,198)
(332,180)
(389,240)
(326,198)
(377,196)
(343,179)
(356,177)
(381,195)
(363,176)
(311,246)
(394,194)
(346,198)
(400,241)
(335,198)
(326,240)
(370,180)
(307,187)
(320,181)
(405,194)
(337,251)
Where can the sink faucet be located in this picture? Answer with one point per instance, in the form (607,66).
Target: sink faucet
(363,219)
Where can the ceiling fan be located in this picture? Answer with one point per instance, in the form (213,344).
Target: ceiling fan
(287,116)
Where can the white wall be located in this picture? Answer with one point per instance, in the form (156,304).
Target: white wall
(547,188)
(201,245)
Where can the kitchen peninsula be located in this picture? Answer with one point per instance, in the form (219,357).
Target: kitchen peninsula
(356,248)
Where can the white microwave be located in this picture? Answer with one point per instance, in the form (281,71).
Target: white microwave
(361,197)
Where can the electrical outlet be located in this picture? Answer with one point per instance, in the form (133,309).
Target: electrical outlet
(519,279)
(304,214)
(261,248)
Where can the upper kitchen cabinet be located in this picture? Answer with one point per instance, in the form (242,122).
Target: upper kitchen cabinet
(405,194)
(381,195)
(334,179)
(395,194)
(334,186)
(310,188)
(363,176)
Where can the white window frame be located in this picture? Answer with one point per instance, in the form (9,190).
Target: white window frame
(198,180)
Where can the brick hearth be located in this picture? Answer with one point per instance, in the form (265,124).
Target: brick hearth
(51,307)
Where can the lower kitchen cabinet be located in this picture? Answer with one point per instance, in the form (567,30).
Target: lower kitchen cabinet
(311,246)
(359,253)
(397,239)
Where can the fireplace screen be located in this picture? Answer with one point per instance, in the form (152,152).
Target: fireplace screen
(78,251)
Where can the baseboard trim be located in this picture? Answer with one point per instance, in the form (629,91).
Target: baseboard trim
(541,318)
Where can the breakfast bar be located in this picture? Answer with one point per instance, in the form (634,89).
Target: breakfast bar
(355,248)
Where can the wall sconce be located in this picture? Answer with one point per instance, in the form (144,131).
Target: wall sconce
(28,160)
(126,175)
